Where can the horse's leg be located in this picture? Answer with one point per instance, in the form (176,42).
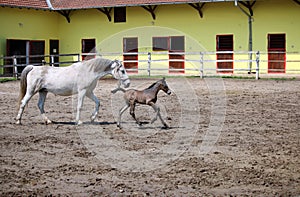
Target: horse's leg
(157,110)
(24,101)
(81,95)
(122,110)
(97,105)
(42,98)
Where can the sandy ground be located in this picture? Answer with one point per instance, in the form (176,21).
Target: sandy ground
(227,137)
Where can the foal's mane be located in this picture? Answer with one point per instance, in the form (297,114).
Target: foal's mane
(151,86)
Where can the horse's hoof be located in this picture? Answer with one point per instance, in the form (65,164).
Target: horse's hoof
(93,117)
(79,122)
(119,125)
(18,122)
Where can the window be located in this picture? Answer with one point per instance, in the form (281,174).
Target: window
(172,44)
(88,46)
(225,43)
(120,14)
(276,41)
(177,43)
(160,43)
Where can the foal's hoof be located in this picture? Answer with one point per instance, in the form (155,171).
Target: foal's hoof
(18,122)
(93,117)
(48,121)
(139,124)
(153,120)
(165,126)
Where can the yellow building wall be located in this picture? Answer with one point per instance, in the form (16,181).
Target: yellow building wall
(281,17)
(270,16)
(27,24)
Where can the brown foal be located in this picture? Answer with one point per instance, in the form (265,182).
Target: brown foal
(147,96)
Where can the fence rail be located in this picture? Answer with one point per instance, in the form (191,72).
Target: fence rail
(10,64)
(195,63)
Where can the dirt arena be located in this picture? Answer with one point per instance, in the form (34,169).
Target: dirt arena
(255,142)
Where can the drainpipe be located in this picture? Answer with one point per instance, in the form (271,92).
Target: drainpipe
(49,4)
(250,19)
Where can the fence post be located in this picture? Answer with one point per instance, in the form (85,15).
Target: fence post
(257,66)
(78,57)
(149,64)
(51,60)
(15,66)
(201,65)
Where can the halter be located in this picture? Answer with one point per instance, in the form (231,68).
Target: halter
(116,74)
(116,69)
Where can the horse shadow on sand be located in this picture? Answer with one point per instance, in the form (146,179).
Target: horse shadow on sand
(143,125)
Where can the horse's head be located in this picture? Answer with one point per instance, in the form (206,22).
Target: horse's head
(119,72)
(164,86)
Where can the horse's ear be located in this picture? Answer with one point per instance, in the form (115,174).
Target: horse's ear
(164,78)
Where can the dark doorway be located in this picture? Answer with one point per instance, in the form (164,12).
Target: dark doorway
(54,50)
(24,49)
(276,53)
(176,44)
(36,49)
(16,48)
(88,46)
(225,43)
(130,45)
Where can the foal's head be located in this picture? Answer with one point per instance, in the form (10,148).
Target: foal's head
(164,86)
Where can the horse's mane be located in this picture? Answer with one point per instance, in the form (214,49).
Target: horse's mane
(96,64)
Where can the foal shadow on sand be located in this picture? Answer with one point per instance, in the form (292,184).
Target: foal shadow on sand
(147,125)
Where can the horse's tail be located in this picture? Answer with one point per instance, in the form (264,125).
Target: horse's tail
(23,82)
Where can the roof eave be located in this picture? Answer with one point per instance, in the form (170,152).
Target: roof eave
(25,7)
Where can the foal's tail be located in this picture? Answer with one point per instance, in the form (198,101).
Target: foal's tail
(23,82)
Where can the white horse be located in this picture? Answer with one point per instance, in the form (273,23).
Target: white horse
(79,78)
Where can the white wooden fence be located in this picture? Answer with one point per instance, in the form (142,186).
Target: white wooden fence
(157,63)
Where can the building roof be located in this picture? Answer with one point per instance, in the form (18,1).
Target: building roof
(85,4)
(77,4)
(37,4)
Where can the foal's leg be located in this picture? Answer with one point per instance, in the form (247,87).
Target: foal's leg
(42,98)
(157,110)
(81,95)
(122,110)
(24,101)
(97,105)
(132,108)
